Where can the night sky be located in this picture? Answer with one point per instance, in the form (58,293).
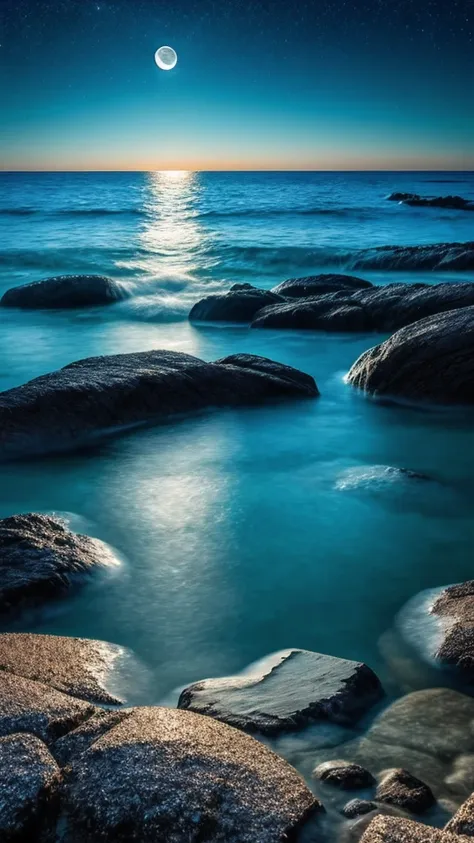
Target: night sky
(275,84)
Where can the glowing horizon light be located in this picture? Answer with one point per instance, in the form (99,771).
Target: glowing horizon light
(166,58)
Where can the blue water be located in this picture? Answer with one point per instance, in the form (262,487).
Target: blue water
(249,531)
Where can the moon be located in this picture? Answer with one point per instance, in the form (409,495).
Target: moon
(166,58)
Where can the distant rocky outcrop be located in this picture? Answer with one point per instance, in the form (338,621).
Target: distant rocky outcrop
(456,203)
(299,688)
(440,256)
(99,395)
(40,559)
(431,360)
(64,291)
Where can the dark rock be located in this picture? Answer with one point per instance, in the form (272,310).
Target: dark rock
(29,783)
(301,687)
(163,774)
(240,304)
(316,315)
(456,203)
(443,256)
(73,744)
(400,788)
(384,829)
(27,706)
(41,559)
(463,820)
(344,774)
(402,197)
(74,666)
(315,285)
(358,808)
(99,395)
(431,360)
(65,291)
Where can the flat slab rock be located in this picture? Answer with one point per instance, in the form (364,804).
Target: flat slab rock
(399,830)
(64,291)
(40,559)
(29,784)
(75,666)
(301,687)
(164,774)
(100,395)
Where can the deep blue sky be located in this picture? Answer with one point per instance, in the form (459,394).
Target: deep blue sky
(275,84)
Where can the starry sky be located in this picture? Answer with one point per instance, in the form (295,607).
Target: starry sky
(259,84)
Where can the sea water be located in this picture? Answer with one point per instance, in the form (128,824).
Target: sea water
(247,531)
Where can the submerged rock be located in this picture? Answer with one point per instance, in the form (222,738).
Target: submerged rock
(95,396)
(40,559)
(75,666)
(301,687)
(443,256)
(463,820)
(240,304)
(315,285)
(431,360)
(384,829)
(400,788)
(29,784)
(164,774)
(64,291)
(343,774)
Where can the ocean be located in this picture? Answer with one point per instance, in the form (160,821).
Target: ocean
(248,531)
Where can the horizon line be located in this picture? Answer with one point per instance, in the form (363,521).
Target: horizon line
(251,170)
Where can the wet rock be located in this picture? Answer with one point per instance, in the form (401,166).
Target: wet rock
(40,559)
(316,285)
(316,314)
(358,808)
(165,774)
(300,688)
(455,609)
(65,291)
(463,820)
(400,788)
(27,706)
(344,774)
(240,304)
(75,666)
(402,197)
(100,395)
(456,203)
(73,744)
(29,782)
(431,360)
(443,256)
(385,829)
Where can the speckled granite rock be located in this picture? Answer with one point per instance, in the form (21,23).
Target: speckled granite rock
(73,744)
(100,395)
(65,291)
(400,788)
(344,774)
(455,609)
(27,706)
(29,781)
(384,829)
(164,774)
(300,688)
(358,808)
(40,558)
(463,820)
(75,666)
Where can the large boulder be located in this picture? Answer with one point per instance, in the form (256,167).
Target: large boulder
(29,785)
(344,774)
(431,360)
(240,304)
(385,829)
(315,285)
(401,789)
(75,666)
(164,774)
(95,396)
(40,559)
(300,688)
(27,706)
(328,313)
(64,291)
(442,256)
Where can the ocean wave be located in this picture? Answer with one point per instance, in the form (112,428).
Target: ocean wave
(277,212)
(99,212)
(276,256)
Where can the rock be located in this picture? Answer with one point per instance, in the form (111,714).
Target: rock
(344,774)
(100,395)
(456,203)
(400,788)
(73,744)
(240,304)
(358,808)
(27,706)
(29,782)
(164,774)
(65,291)
(315,285)
(463,820)
(384,829)
(431,360)
(455,609)
(314,314)
(402,197)
(442,256)
(40,559)
(74,666)
(300,688)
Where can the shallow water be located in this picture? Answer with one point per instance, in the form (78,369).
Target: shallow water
(249,531)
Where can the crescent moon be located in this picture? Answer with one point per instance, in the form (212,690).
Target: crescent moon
(166,58)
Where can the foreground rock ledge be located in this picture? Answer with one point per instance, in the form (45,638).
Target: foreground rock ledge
(431,360)
(98,395)
(64,291)
(40,559)
(398,830)
(301,687)
(163,774)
